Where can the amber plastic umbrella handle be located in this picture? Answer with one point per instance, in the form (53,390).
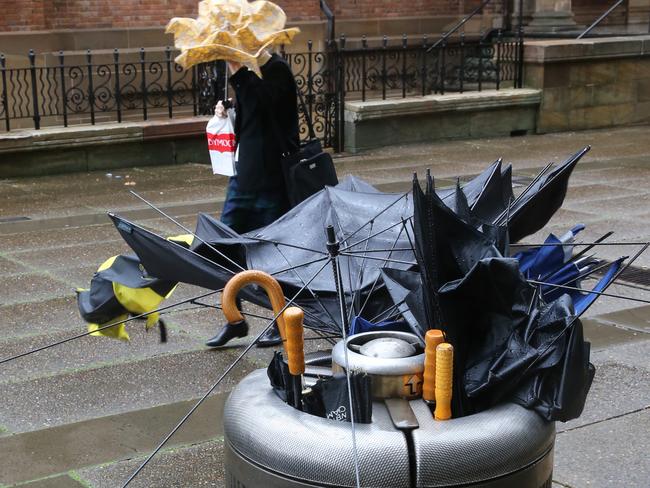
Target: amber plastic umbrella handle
(295,346)
(432,338)
(253,276)
(444,378)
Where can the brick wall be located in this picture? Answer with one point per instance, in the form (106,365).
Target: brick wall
(86,14)
(30,15)
(22,15)
(350,9)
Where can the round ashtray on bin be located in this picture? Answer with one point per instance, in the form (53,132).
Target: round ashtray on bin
(273,445)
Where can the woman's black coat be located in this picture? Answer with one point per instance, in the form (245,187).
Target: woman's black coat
(266,125)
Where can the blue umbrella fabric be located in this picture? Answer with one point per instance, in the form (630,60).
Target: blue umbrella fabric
(541,261)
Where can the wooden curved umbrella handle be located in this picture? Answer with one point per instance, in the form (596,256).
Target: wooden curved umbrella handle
(266,281)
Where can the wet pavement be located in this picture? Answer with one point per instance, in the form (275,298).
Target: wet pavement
(85,413)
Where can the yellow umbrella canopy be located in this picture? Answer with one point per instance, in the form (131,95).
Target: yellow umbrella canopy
(231,30)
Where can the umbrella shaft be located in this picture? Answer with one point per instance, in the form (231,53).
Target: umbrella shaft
(296,387)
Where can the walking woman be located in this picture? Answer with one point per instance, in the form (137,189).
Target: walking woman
(266,127)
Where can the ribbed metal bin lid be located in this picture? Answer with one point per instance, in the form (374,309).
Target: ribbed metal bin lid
(480,447)
(279,438)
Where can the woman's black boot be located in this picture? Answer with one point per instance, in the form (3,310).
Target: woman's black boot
(227,332)
(230,331)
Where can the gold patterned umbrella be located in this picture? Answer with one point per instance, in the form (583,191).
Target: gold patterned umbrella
(231,30)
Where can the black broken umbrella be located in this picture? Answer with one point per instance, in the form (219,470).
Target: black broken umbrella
(509,344)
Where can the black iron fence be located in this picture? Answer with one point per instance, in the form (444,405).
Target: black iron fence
(97,87)
(454,65)
(92,88)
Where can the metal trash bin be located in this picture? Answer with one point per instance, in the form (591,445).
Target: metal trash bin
(270,444)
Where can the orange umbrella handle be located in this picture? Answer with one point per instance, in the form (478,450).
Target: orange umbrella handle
(444,378)
(266,281)
(432,338)
(293,317)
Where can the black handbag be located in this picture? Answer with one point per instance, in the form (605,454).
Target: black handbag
(309,169)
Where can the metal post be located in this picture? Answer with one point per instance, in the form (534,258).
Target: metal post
(520,47)
(143,85)
(498,66)
(331,21)
(194,91)
(5,102)
(64,96)
(32,71)
(462,61)
(341,121)
(443,66)
(332,97)
(118,90)
(520,58)
(384,45)
(91,89)
(310,79)
(423,73)
(480,62)
(364,48)
(170,99)
(404,46)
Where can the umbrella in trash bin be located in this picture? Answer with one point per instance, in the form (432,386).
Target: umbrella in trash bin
(511,343)
(516,340)
(329,398)
(449,241)
(539,345)
(540,200)
(446,248)
(369,226)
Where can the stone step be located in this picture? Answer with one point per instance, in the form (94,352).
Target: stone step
(91,443)
(56,387)
(188,327)
(194,465)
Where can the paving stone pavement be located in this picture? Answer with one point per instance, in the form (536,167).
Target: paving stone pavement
(86,413)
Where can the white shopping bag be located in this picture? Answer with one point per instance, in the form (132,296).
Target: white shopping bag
(221,144)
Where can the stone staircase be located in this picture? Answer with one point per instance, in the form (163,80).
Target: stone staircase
(88,412)
(85,413)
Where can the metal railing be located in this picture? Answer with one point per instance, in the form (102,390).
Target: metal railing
(461,23)
(457,64)
(116,86)
(600,19)
(119,87)
(331,20)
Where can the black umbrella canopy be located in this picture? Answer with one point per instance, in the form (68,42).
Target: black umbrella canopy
(538,203)
(446,248)
(368,224)
(487,196)
(508,343)
(520,348)
(456,228)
